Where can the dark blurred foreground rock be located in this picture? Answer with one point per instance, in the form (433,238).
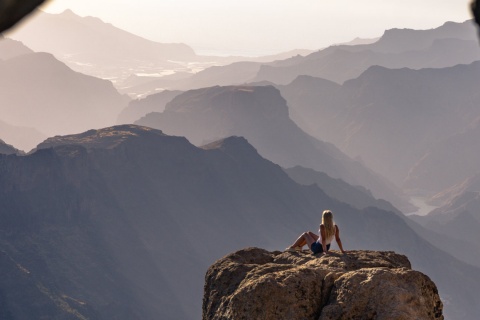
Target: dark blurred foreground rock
(256,284)
(12,11)
(476,11)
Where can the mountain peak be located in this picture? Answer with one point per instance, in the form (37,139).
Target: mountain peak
(68,12)
(106,138)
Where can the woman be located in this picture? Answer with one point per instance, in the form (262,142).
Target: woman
(328,230)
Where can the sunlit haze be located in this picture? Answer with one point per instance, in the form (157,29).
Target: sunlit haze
(251,27)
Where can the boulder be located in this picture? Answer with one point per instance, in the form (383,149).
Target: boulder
(257,284)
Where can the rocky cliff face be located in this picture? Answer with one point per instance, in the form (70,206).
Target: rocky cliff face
(256,284)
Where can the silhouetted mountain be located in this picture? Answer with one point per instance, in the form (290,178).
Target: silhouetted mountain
(122,223)
(260,114)
(448,45)
(21,137)
(40,92)
(10,48)
(393,118)
(140,107)
(356,196)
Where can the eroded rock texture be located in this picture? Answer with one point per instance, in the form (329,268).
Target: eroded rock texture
(256,284)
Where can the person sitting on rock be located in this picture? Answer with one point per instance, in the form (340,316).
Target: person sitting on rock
(318,244)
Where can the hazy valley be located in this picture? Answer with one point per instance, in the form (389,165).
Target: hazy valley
(128,166)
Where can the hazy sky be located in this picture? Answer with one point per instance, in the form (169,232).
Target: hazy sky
(265,26)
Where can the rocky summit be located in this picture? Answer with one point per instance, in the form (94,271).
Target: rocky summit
(257,284)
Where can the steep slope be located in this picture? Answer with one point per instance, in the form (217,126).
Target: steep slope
(392,118)
(471,184)
(40,92)
(138,108)
(7,149)
(123,222)
(260,114)
(10,48)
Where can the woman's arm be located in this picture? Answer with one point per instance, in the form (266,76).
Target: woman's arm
(337,238)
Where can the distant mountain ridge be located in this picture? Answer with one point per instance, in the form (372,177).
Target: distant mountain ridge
(397,48)
(90,36)
(136,65)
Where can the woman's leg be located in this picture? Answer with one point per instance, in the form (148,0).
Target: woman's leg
(305,238)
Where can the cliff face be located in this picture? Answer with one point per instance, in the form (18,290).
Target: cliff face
(256,284)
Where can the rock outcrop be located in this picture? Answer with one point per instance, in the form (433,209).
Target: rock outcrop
(256,284)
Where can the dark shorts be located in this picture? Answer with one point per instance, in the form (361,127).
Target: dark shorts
(317,247)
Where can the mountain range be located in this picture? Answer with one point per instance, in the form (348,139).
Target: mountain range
(260,114)
(418,128)
(448,45)
(134,64)
(123,222)
(91,46)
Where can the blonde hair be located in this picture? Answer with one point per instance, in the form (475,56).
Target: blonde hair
(327,221)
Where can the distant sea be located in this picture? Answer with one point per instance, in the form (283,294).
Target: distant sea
(229,53)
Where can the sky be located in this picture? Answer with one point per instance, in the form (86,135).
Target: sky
(258,27)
